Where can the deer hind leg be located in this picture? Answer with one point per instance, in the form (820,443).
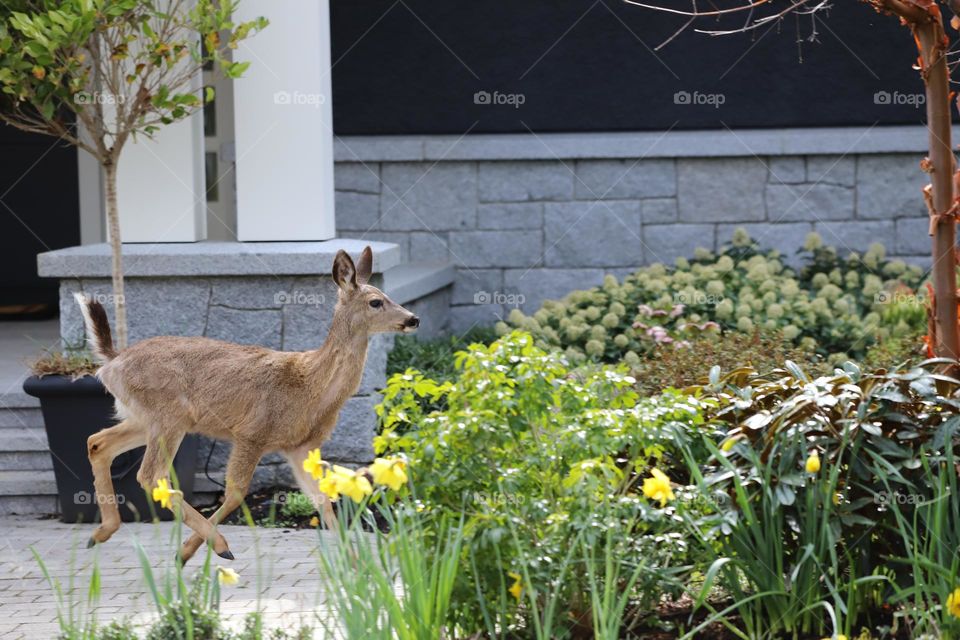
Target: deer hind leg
(102,448)
(310,488)
(243,462)
(156,465)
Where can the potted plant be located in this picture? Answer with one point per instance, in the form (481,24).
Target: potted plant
(94,74)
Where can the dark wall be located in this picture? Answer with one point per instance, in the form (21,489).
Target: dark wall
(414,67)
(39,211)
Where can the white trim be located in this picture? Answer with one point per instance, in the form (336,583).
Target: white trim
(646,144)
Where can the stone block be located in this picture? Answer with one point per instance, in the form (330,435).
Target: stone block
(721,189)
(357,211)
(471,284)
(466,317)
(243,326)
(809,203)
(658,210)
(537,285)
(522,181)
(857,235)
(307,313)
(592,234)
(889,186)
(625,179)
(785,237)
(786,169)
(667,242)
(841,170)
(516,215)
(352,438)
(429,247)
(479,249)
(250,293)
(420,196)
(912,236)
(362,177)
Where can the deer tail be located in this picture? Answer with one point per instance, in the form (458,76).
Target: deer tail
(98,328)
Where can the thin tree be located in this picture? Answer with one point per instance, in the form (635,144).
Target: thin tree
(925,21)
(118,68)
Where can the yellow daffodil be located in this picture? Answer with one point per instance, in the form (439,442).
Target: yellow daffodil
(953,603)
(314,521)
(813,463)
(352,484)
(727,444)
(839,636)
(314,465)
(516,589)
(162,493)
(657,487)
(330,485)
(391,472)
(227,576)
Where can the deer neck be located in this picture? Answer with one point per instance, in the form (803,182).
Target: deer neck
(336,367)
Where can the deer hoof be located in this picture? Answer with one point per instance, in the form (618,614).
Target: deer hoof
(225,554)
(92,542)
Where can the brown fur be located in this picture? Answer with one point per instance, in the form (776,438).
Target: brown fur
(259,399)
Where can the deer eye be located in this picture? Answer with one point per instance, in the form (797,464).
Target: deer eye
(376,303)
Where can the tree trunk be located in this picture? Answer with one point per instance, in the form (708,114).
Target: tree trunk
(932,43)
(113,224)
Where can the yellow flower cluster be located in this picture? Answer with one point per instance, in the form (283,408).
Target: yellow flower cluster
(336,480)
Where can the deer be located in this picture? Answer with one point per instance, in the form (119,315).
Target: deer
(259,399)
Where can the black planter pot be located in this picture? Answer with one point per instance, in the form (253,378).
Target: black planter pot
(72,411)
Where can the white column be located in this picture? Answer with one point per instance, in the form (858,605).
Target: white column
(284,123)
(161,187)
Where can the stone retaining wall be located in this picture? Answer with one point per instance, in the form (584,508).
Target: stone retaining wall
(521,231)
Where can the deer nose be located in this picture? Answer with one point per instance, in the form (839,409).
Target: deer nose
(412,321)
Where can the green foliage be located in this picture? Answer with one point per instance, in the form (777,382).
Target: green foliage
(802,550)
(543,456)
(836,307)
(297,505)
(136,56)
(434,358)
(363,575)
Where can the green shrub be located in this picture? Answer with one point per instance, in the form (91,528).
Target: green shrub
(434,357)
(540,458)
(802,548)
(834,307)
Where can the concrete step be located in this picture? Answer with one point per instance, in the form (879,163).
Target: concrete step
(28,492)
(18,410)
(24,450)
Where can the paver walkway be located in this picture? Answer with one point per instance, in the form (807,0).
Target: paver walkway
(279,563)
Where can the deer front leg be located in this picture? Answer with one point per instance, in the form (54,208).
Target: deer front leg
(243,462)
(310,487)
(102,448)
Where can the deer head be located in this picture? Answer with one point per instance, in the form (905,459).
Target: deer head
(367,310)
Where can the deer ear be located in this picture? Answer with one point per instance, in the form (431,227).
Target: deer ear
(344,273)
(365,265)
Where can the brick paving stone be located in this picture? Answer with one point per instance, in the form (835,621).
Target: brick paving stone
(289,591)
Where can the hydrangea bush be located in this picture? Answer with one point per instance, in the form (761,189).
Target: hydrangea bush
(833,306)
